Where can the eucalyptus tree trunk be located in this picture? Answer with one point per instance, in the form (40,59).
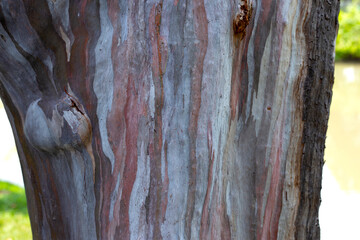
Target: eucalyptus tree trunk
(169,119)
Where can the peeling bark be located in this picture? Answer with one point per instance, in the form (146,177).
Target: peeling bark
(169,119)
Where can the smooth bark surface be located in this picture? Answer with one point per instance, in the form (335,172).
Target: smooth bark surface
(169,119)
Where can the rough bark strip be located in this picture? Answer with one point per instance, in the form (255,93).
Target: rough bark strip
(155,21)
(320,28)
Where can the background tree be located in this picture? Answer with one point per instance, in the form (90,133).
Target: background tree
(169,119)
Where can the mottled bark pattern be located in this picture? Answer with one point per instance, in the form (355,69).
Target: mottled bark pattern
(169,119)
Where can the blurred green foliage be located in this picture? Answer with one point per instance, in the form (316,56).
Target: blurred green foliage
(14,218)
(348,39)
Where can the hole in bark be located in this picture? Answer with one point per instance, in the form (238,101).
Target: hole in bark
(74,103)
(3,37)
(268,108)
(241,20)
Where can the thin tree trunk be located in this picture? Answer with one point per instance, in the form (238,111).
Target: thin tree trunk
(169,119)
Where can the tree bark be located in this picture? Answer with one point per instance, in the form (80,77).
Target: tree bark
(169,119)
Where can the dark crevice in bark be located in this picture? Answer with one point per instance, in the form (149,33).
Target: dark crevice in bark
(41,21)
(42,77)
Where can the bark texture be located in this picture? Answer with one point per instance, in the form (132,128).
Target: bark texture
(169,119)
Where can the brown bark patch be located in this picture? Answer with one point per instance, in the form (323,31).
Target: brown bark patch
(241,20)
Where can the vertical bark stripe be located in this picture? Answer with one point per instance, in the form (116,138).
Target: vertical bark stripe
(201,32)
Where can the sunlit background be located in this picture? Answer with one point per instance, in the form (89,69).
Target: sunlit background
(340,208)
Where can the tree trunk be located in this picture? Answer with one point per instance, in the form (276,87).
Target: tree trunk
(169,119)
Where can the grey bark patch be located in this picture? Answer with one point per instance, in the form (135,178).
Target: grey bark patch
(104,79)
(37,130)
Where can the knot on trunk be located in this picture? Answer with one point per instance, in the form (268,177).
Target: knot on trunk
(68,126)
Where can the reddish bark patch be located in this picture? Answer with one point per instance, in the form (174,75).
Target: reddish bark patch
(205,218)
(201,32)
(156,194)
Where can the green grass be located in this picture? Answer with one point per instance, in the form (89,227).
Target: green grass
(14,218)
